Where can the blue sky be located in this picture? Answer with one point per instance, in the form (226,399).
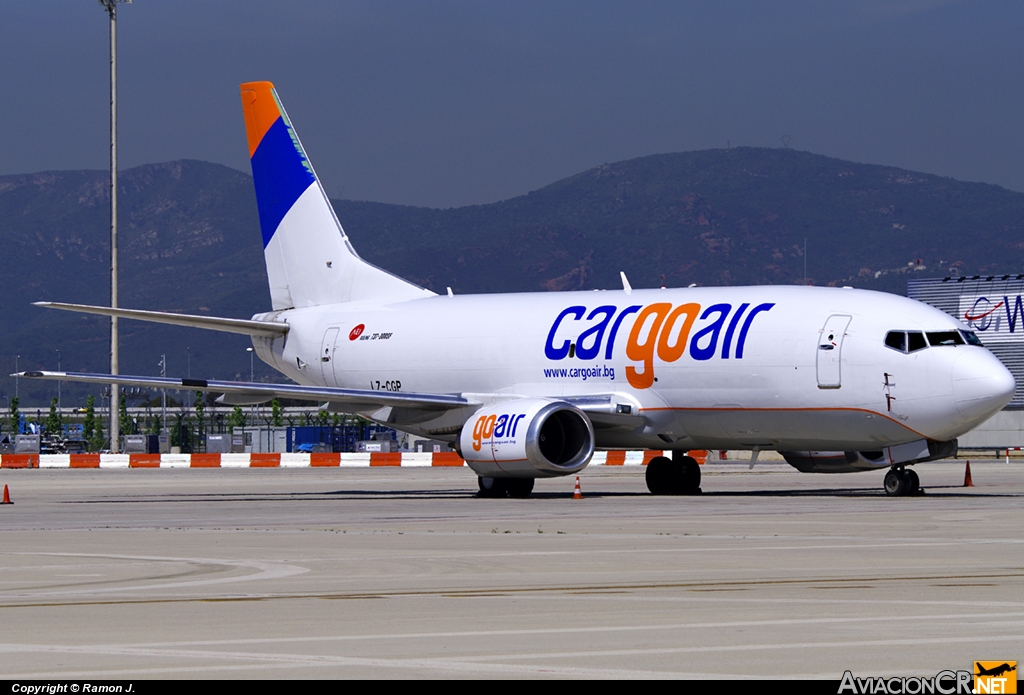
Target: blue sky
(455,103)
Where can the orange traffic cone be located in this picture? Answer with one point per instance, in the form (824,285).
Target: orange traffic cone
(967,476)
(577,495)
(7,496)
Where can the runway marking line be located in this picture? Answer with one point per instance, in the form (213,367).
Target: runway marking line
(463,593)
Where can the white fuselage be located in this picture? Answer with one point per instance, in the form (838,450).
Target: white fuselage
(740,367)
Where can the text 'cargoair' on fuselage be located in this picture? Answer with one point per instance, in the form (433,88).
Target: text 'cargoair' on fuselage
(529,385)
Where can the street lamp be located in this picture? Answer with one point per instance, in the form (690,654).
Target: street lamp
(111,7)
(251,379)
(163,396)
(58,383)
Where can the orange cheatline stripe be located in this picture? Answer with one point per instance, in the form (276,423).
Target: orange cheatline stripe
(322,458)
(261,111)
(143,460)
(264,460)
(388,458)
(204,461)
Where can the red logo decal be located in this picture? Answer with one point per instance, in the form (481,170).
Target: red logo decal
(356,332)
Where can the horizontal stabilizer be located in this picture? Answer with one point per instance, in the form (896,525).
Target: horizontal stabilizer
(352,400)
(212,323)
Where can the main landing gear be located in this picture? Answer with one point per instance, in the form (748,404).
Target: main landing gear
(671,476)
(902,481)
(501,487)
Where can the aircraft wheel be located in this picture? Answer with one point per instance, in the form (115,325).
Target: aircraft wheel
(689,483)
(897,482)
(491,487)
(519,487)
(660,476)
(914,480)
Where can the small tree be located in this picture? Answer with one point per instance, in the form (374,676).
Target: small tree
(99,439)
(276,413)
(15,417)
(89,422)
(236,419)
(53,419)
(126,423)
(200,414)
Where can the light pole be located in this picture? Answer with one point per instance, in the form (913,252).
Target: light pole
(115,427)
(163,396)
(16,358)
(58,383)
(251,379)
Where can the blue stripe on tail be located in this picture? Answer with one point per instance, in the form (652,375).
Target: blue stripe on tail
(281,174)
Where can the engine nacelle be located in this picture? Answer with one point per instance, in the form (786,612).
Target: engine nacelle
(527,438)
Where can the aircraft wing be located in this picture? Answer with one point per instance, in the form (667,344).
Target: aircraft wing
(213,323)
(247,393)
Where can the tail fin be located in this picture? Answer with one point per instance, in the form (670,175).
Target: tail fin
(309,258)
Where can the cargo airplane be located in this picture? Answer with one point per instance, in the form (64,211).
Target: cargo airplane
(527,386)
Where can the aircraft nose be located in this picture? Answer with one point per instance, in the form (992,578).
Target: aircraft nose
(982,385)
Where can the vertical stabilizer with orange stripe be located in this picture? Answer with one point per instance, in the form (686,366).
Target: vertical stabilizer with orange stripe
(310,261)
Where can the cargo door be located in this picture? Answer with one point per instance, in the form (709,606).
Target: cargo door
(830,351)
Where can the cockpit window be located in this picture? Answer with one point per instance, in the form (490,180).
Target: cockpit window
(945,338)
(897,340)
(915,341)
(972,338)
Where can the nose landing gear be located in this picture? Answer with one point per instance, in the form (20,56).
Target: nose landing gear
(902,481)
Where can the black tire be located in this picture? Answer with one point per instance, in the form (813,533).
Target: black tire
(491,487)
(659,476)
(915,482)
(519,488)
(689,476)
(897,483)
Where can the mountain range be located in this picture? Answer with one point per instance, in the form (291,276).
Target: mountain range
(189,241)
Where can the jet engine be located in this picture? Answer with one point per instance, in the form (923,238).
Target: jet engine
(527,438)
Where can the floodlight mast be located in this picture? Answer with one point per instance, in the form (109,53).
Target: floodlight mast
(115,400)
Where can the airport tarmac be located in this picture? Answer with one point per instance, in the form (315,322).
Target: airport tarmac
(404,573)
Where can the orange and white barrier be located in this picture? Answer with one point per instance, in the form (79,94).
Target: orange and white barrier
(316,460)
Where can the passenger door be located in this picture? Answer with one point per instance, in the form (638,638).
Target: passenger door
(830,351)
